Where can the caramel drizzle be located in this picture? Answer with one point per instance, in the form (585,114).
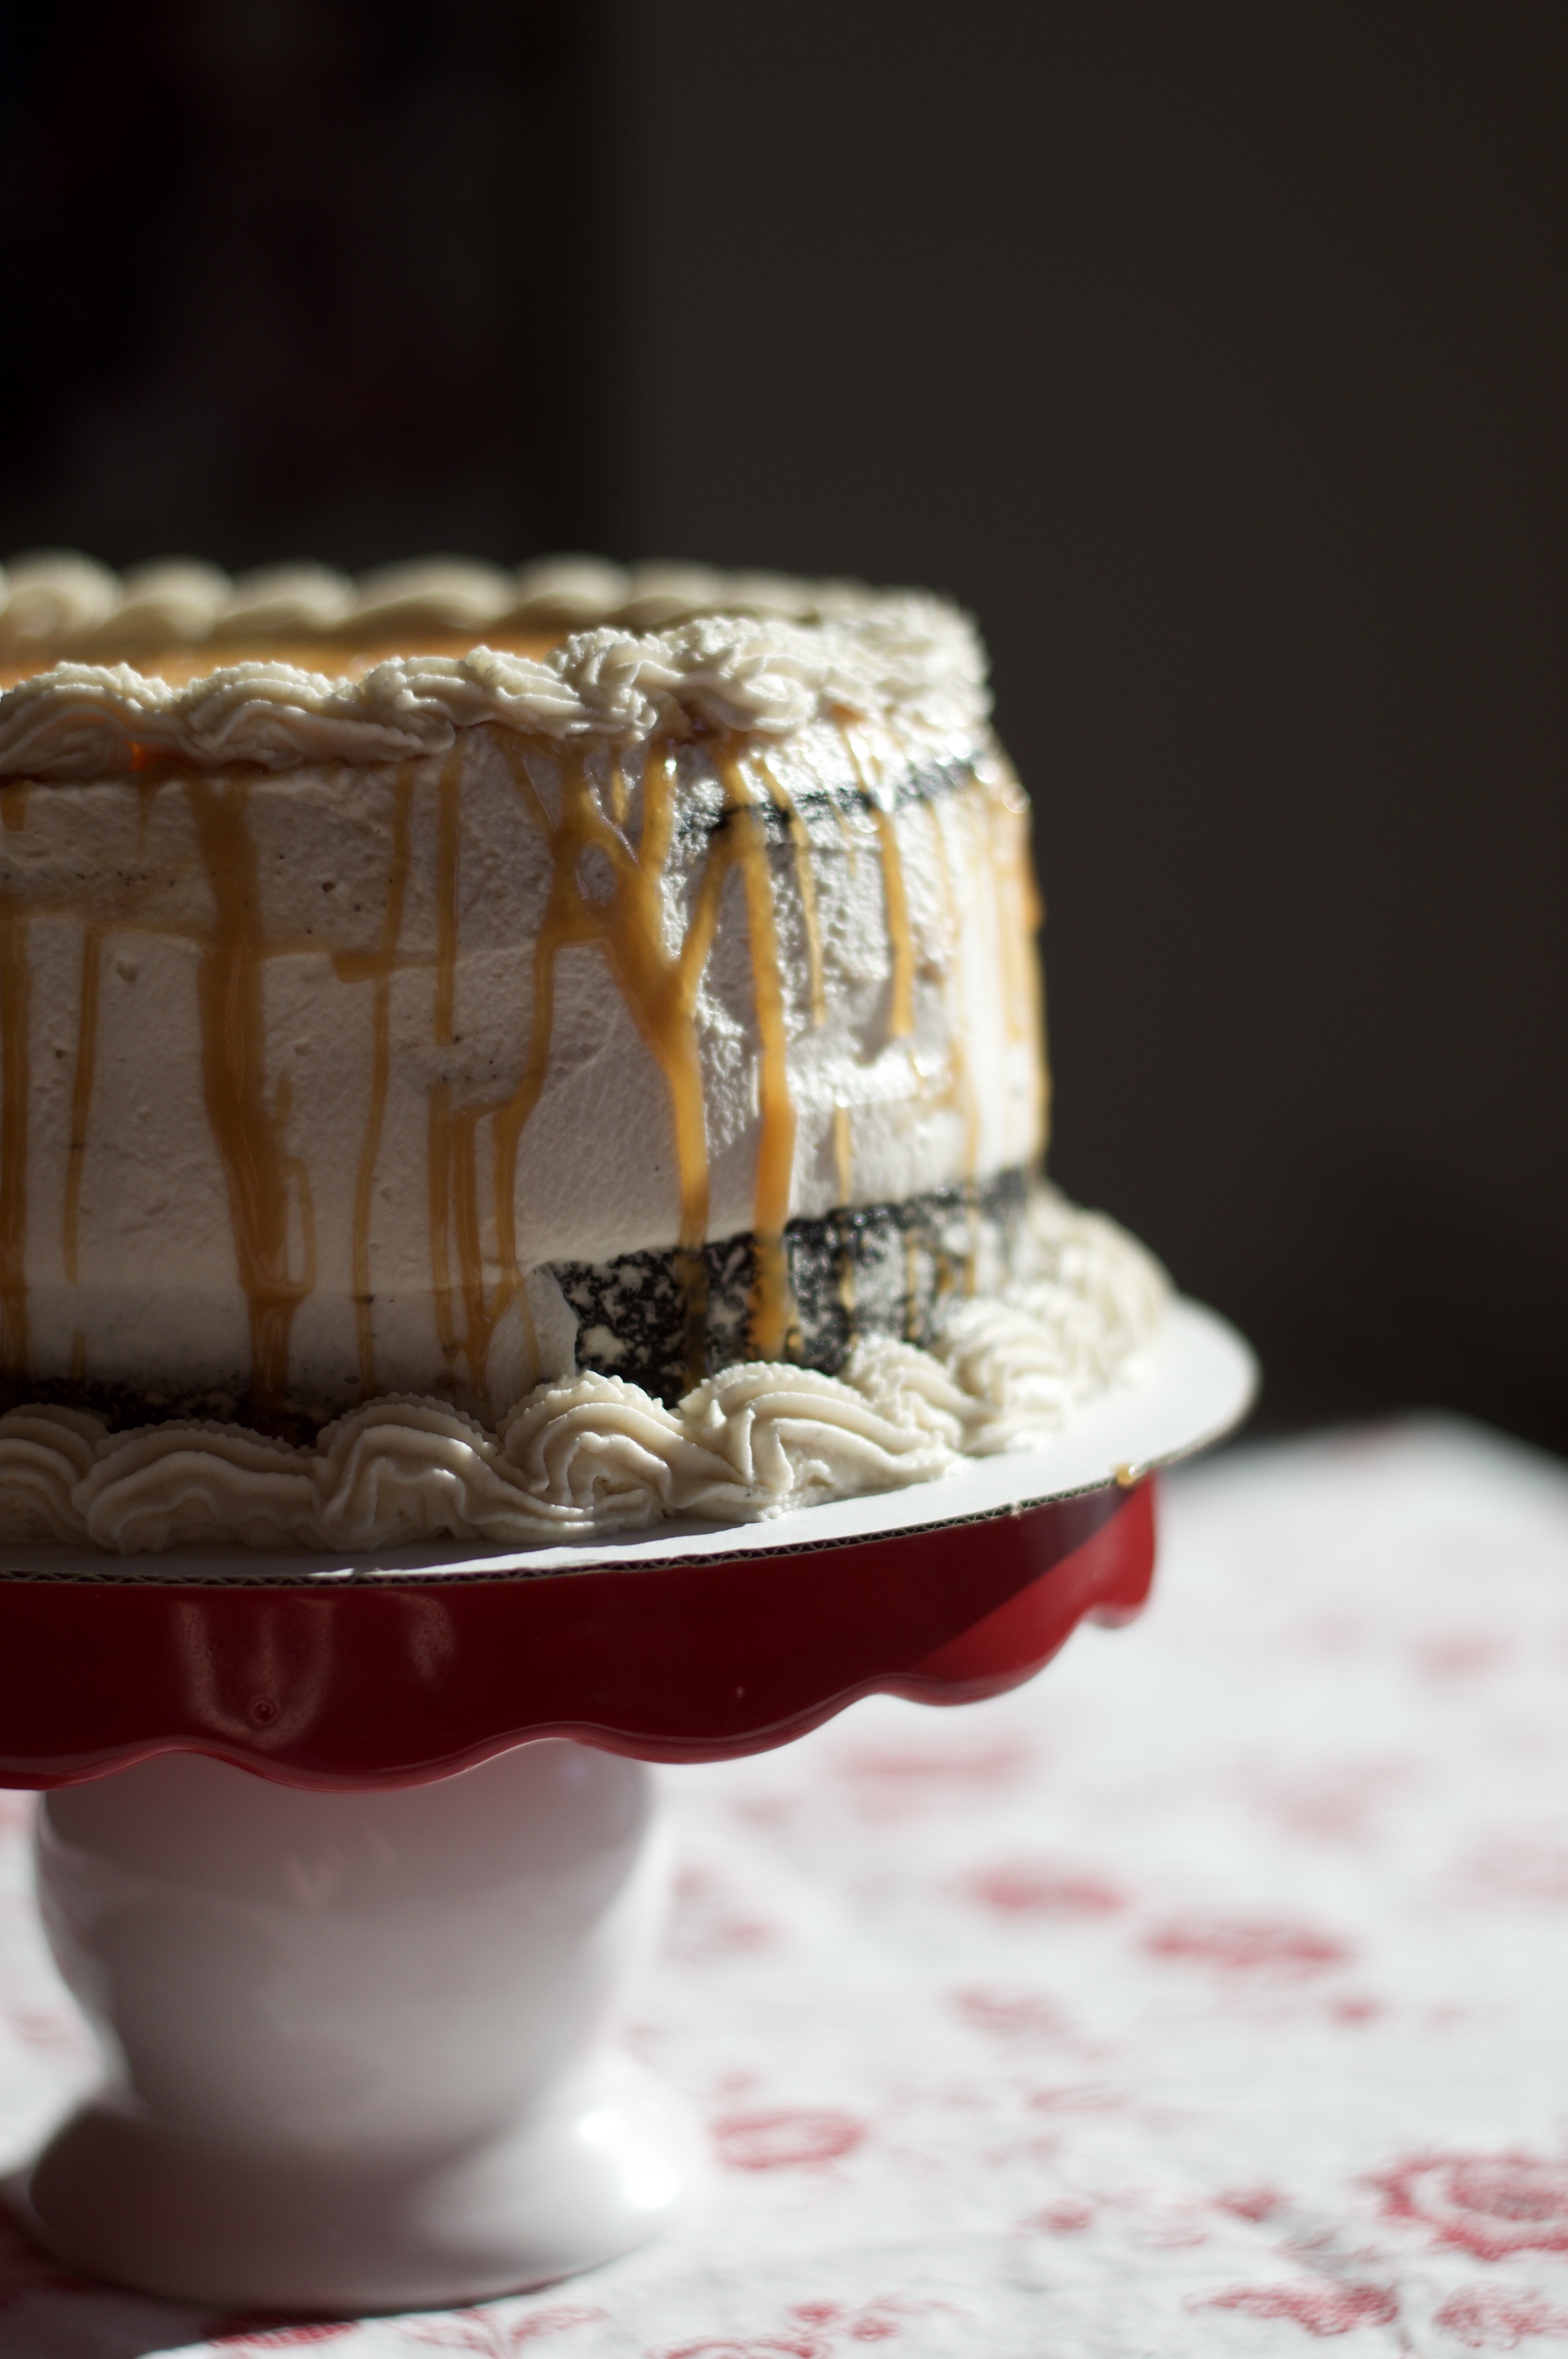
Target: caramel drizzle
(81,1095)
(378,966)
(449,1174)
(659,987)
(771,1307)
(439,1132)
(249,1135)
(806,878)
(262,1178)
(960,1077)
(448,825)
(961,1091)
(1020,914)
(901,1018)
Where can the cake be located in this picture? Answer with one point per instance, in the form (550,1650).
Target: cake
(513,1057)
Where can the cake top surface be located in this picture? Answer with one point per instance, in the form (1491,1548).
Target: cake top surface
(178,663)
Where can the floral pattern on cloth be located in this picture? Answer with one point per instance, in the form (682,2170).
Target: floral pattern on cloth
(1205,1997)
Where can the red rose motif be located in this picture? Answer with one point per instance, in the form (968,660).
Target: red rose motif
(1483,2319)
(282,2338)
(492,2334)
(1069,2217)
(787,2139)
(1322,2310)
(1251,2203)
(1250,1945)
(771,2346)
(1488,2204)
(1011,2013)
(940,1761)
(1030,1888)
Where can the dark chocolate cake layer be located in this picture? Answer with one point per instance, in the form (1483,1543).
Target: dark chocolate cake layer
(869,1270)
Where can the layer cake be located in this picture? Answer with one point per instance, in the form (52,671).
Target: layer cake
(512,1055)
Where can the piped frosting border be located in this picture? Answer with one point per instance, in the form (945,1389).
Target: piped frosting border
(60,602)
(590,1454)
(656,650)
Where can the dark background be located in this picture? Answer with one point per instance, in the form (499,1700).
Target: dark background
(1214,358)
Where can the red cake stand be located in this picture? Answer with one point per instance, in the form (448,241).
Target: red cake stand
(356,2007)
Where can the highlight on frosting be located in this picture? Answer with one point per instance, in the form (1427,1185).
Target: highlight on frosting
(586,1455)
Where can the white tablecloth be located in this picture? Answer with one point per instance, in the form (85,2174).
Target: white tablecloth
(1207,1996)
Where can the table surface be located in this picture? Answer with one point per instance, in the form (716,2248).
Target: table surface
(1207,1996)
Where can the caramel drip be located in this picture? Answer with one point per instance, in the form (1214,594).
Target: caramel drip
(453,1142)
(81,1095)
(449,836)
(620,793)
(960,1073)
(295,1173)
(16,1015)
(666,1018)
(901,1019)
(13,804)
(659,987)
(806,878)
(249,1135)
(379,966)
(1017,910)
(901,940)
(1019,916)
(440,1182)
(770,1306)
(454,1164)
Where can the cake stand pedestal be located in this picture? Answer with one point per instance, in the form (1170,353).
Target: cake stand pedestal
(356,2042)
(357,2006)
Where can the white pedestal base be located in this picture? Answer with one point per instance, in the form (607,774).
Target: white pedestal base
(355,2042)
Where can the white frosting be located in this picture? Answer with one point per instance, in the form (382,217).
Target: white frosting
(588,1455)
(1059,1337)
(112,888)
(57,603)
(765,670)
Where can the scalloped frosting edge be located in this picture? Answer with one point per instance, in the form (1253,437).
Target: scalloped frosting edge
(590,1454)
(58,600)
(726,661)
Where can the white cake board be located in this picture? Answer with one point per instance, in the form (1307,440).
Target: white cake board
(1193,1386)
